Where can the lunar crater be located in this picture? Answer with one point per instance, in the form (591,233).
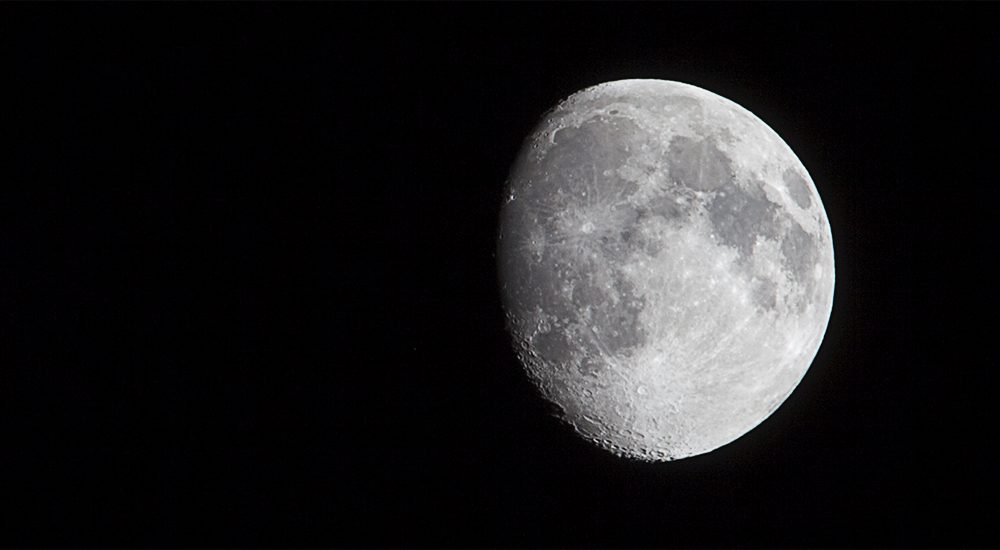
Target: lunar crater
(798,189)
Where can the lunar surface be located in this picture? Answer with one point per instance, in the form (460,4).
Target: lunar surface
(666,266)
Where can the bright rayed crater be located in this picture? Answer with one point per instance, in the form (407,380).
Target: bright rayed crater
(666,267)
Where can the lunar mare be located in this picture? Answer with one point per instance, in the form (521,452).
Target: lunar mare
(666,266)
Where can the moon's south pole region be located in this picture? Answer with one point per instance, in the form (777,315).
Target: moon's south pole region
(666,267)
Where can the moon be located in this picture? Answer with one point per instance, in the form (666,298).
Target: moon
(666,267)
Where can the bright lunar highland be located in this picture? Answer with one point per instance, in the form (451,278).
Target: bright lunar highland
(666,266)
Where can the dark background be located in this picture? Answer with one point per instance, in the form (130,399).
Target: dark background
(248,293)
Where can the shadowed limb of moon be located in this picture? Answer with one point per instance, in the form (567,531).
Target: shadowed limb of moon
(666,267)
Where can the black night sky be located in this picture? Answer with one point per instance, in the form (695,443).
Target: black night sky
(248,294)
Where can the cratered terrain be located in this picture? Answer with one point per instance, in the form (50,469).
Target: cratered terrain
(666,267)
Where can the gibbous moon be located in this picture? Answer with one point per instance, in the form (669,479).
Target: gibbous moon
(666,266)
